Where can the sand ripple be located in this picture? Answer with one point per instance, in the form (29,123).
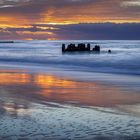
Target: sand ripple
(69,122)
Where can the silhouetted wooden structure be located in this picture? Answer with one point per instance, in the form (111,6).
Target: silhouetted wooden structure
(80,48)
(109,51)
(96,48)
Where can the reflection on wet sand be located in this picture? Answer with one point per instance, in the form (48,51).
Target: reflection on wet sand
(46,87)
(31,107)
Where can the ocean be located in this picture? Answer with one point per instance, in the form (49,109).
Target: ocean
(124,59)
(47,94)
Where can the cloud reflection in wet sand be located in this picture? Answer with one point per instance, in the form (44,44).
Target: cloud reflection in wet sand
(45,87)
(31,107)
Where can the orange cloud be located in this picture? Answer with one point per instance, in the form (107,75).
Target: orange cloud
(27,13)
(68,12)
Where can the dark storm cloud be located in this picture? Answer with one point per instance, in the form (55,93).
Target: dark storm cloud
(127,31)
(101,31)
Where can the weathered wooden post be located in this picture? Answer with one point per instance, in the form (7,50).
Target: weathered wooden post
(63,47)
(109,51)
(97,48)
(88,47)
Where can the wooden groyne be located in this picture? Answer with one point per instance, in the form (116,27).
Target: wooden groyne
(80,48)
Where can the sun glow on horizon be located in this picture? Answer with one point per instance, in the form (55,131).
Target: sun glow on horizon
(56,19)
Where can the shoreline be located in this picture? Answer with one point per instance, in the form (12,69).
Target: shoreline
(50,105)
(45,94)
(130,82)
(45,84)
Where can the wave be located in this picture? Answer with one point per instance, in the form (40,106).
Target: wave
(124,58)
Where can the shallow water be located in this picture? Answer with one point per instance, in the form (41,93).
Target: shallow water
(45,94)
(37,121)
(38,106)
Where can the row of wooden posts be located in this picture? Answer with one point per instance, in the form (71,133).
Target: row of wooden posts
(81,47)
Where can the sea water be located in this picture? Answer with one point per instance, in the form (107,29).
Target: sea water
(124,59)
(27,110)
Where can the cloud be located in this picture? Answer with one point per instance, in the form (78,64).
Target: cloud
(131,3)
(70,11)
(92,31)
(100,31)
(69,19)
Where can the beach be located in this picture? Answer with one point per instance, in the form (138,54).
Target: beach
(47,95)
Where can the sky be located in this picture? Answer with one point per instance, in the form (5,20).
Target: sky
(69,19)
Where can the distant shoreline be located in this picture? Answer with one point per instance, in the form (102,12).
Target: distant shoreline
(6,41)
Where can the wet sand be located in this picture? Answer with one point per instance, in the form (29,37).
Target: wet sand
(38,105)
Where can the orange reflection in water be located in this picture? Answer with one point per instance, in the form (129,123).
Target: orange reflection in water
(13,78)
(53,88)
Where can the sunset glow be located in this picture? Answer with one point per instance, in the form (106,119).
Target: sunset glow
(47,87)
(61,14)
